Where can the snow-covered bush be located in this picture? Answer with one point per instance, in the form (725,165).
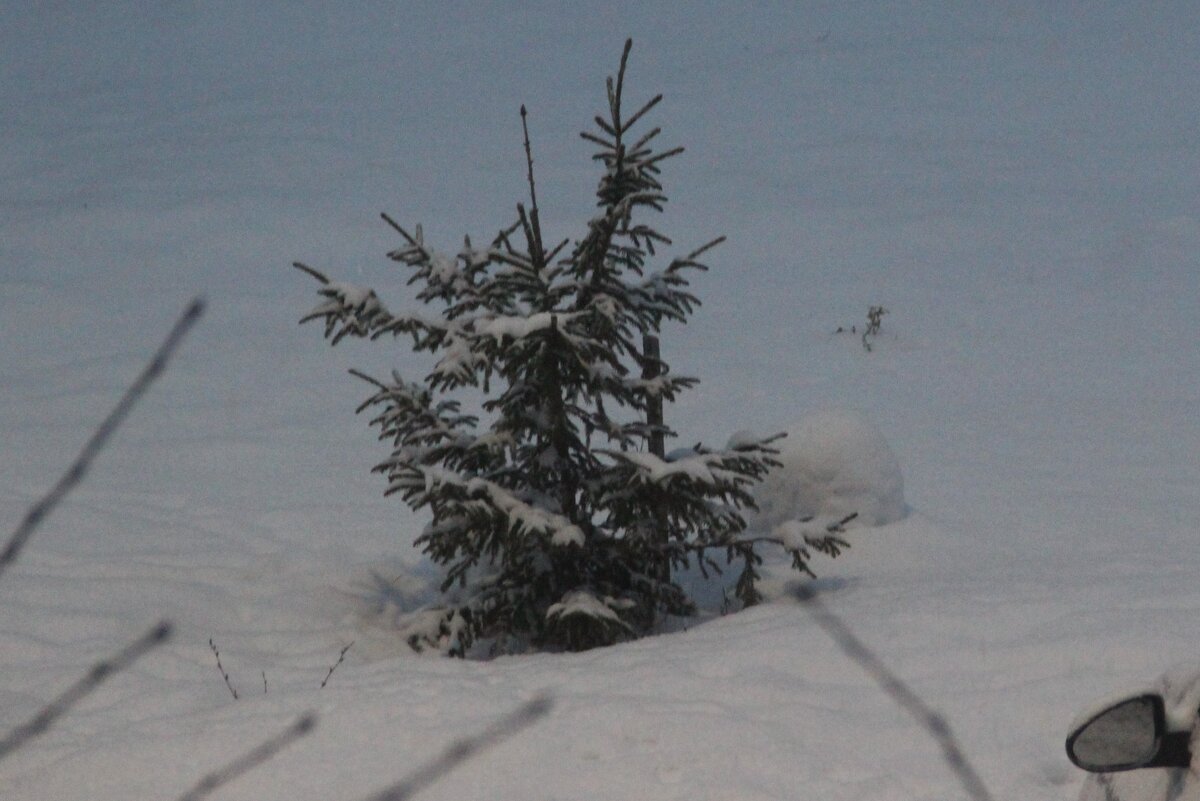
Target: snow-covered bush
(832,464)
(556,513)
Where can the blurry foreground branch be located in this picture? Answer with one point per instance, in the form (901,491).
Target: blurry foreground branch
(462,750)
(910,702)
(75,473)
(252,759)
(94,678)
(161,632)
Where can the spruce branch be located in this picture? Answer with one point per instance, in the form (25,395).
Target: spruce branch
(639,113)
(690,260)
(557,249)
(615,97)
(315,273)
(636,149)
(837,527)
(97,675)
(535,244)
(416,243)
(363,376)
(83,462)
(666,154)
(528,227)
(591,137)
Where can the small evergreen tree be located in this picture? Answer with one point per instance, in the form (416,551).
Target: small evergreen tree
(557,514)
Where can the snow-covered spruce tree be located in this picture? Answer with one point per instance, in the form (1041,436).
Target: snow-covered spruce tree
(557,514)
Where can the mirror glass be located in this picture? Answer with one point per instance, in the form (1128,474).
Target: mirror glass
(1122,736)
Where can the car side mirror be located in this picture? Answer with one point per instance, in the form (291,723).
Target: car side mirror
(1129,734)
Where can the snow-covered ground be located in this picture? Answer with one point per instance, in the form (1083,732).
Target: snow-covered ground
(1018,184)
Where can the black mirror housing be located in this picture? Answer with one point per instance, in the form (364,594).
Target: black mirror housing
(1128,735)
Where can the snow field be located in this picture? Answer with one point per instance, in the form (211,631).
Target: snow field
(1016,185)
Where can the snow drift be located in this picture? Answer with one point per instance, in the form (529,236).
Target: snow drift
(835,463)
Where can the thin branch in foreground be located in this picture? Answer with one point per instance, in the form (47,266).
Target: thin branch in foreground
(340,659)
(910,702)
(76,472)
(252,759)
(213,647)
(461,751)
(94,678)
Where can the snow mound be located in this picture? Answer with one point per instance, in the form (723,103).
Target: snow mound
(834,463)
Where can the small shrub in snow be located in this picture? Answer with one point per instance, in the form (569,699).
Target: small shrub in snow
(873,327)
(874,324)
(555,513)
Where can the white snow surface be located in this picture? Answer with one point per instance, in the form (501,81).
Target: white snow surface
(1017,183)
(697,466)
(518,327)
(833,464)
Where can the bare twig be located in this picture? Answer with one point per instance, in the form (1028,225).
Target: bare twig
(212,645)
(252,759)
(460,751)
(78,469)
(94,678)
(332,668)
(264,682)
(898,691)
